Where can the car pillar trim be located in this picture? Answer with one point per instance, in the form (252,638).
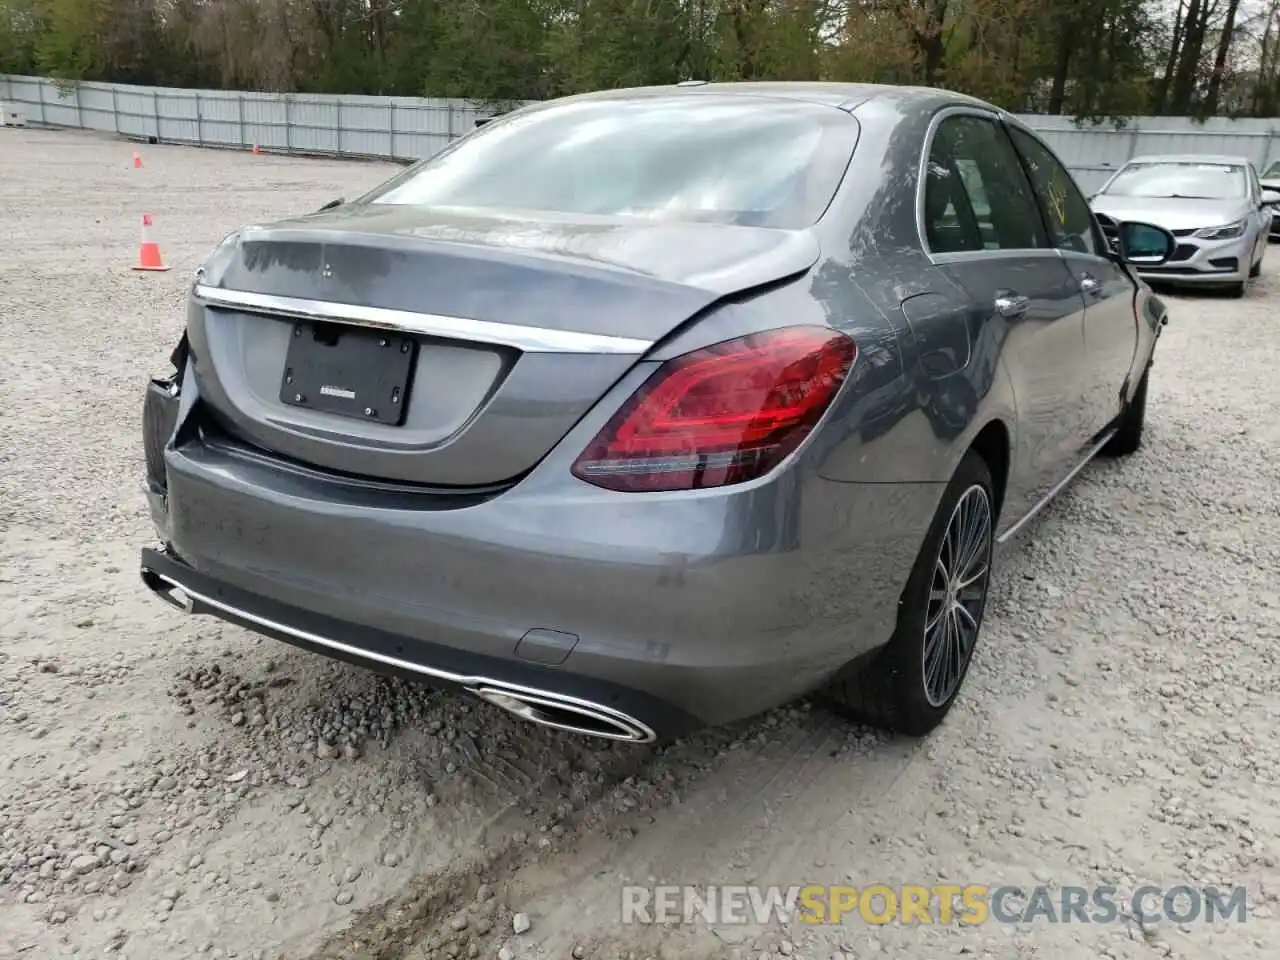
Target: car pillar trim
(524,338)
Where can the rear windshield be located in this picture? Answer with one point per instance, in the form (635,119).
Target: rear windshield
(721,159)
(1208,181)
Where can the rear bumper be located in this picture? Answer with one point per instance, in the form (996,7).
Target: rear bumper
(574,703)
(677,611)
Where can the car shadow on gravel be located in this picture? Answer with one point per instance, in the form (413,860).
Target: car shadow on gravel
(411,803)
(509,799)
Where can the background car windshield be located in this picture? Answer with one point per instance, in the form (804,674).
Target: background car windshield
(1212,181)
(727,160)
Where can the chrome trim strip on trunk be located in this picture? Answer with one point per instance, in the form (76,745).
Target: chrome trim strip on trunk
(526,339)
(629,728)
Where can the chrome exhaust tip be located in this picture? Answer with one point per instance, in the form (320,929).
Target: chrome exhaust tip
(566,713)
(168,591)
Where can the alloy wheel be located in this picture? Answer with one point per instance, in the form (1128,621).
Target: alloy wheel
(957,595)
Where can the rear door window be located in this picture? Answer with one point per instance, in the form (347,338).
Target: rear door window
(976,196)
(1070,219)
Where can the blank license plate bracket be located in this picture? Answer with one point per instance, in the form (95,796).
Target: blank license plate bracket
(348,371)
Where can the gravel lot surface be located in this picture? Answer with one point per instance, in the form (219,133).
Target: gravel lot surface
(174,787)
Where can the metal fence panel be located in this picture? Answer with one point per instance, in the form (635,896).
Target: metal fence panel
(97,106)
(366,127)
(220,121)
(265,121)
(177,116)
(409,128)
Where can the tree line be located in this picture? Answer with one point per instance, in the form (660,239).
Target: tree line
(1083,58)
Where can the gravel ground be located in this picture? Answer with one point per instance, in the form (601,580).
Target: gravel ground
(176,788)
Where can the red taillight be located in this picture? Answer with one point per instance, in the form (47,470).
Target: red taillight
(724,414)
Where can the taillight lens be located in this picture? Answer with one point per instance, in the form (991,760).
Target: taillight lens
(724,414)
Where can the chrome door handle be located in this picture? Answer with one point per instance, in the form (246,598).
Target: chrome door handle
(1089,285)
(1011,305)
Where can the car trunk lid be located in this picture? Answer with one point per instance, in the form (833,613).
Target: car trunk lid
(516,325)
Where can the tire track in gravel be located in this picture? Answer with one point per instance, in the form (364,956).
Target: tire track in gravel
(734,779)
(800,787)
(739,782)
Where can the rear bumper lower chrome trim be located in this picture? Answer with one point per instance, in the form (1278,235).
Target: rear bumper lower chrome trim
(534,704)
(526,339)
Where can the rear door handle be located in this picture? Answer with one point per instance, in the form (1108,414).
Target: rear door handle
(1090,285)
(1011,305)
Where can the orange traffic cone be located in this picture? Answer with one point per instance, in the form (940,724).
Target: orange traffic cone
(137,160)
(149,251)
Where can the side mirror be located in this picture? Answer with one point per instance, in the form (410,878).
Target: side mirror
(1143,244)
(1270,198)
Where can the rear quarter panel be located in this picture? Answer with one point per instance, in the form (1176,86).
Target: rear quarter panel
(916,409)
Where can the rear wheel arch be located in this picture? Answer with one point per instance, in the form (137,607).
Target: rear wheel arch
(994,444)
(892,687)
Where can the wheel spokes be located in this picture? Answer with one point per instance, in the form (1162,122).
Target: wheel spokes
(957,595)
(976,573)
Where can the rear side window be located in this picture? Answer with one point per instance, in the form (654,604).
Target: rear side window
(1071,223)
(976,196)
(700,157)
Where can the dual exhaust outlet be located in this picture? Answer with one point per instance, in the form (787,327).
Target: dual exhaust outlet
(542,707)
(561,713)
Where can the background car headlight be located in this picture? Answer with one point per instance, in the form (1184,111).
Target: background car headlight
(1230,231)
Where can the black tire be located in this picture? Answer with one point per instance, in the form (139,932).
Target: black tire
(1128,436)
(891,691)
(1236,290)
(1256,270)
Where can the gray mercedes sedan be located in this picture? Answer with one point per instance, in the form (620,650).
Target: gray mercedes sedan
(645,410)
(1214,206)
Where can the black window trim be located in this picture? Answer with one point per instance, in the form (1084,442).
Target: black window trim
(995,117)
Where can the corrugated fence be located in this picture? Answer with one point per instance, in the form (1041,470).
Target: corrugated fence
(397,128)
(408,128)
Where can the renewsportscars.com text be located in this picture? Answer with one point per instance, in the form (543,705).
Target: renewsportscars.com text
(970,904)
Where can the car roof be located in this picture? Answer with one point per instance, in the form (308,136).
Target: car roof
(843,95)
(1191,158)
